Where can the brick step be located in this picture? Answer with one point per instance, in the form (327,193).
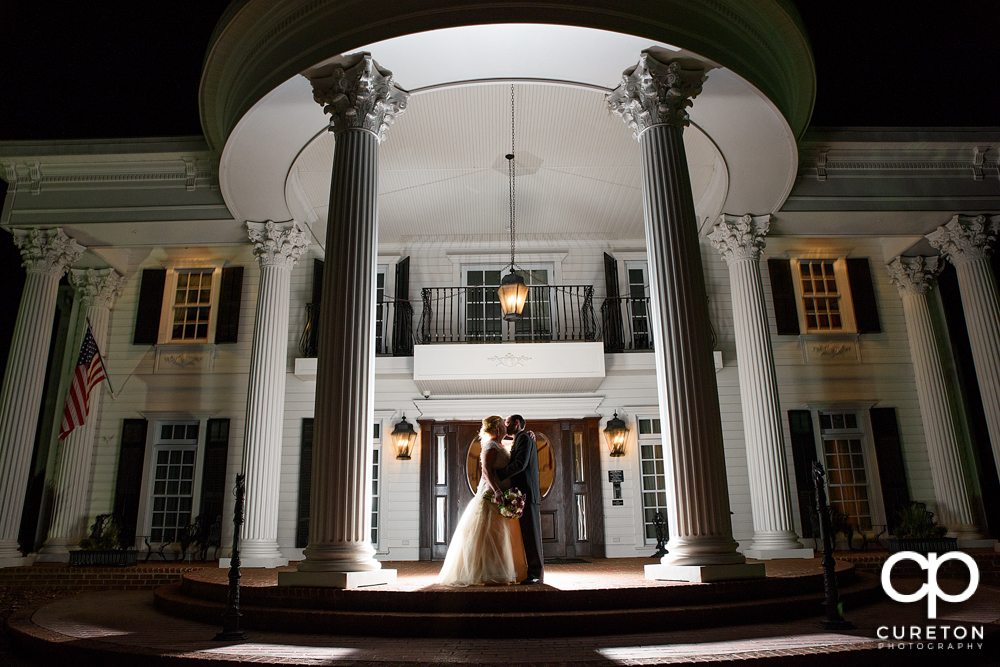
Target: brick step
(485,621)
(213,585)
(141,577)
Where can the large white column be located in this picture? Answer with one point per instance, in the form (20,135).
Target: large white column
(98,290)
(966,242)
(740,240)
(652,100)
(277,247)
(362,101)
(47,253)
(913,276)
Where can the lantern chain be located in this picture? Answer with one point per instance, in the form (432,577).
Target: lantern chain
(510,173)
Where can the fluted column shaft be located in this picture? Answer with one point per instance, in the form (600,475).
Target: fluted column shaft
(340,498)
(740,241)
(98,291)
(47,254)
(277,247)
(913,278)
(695,465)
(966,242)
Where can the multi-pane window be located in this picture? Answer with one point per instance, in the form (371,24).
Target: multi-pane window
(380,311)
(192,304)
(638,305)
(484,318)
(820,295)
(654,485)
(376,481)
(173,480)
(843,454)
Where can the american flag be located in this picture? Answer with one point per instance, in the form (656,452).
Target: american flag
(89,373)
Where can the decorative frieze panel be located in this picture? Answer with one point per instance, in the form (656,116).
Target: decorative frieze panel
(173,359)
(830,349)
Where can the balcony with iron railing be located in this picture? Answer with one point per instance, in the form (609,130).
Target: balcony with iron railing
(393,329)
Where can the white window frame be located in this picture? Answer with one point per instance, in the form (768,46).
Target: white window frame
(155,422)
(848,322)
(861,409)
(508,334)
(378,434)
(175,268)
(650,438)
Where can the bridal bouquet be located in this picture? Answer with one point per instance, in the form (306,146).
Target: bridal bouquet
(511,504)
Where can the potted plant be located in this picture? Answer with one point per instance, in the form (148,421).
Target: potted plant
(916,531)
(103,548)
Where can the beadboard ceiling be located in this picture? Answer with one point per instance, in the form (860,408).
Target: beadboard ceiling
(442,170)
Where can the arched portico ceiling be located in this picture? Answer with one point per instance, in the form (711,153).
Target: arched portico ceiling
(270,134)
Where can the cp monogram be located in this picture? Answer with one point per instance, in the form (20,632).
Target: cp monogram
(930,590)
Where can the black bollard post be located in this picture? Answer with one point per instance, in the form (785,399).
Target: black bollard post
(231,619)
(834,617)
(661,535)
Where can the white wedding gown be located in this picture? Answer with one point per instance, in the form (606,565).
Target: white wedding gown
(481,550)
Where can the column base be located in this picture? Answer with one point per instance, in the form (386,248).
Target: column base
(705,573)
(17,561)
(981,543)
(255,561)
(52,557)
(773,554)
(56,550)
(337,579)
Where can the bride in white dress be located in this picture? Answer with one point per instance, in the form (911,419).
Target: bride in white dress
(483,550)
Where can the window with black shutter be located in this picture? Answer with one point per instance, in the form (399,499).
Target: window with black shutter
(128,485)
(147,318)
(891,470)
(305,485)
(227,326)
(786,313)
(803,455)
(213,476)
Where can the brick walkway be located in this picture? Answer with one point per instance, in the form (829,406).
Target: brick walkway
(123,627)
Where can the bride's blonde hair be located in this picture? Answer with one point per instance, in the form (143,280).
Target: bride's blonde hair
(491,427)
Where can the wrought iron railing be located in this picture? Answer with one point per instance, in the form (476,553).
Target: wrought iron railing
(626,325)
(473,315)
(393,329)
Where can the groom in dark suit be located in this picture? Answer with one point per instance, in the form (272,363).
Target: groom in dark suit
(523,473)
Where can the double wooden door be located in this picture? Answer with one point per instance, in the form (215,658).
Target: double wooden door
(572,515)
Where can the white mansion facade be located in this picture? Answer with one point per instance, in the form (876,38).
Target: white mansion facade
(273,298)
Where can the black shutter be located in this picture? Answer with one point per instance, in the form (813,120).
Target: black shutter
(402,322)
(803,455)
(317,298)
(213,476)
(305,485)
(227,324)
(147,318)
(611,311)
(859,275)
(128,486)
(891,471)
(786,312)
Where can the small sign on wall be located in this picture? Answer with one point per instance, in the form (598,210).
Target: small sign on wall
(616,476)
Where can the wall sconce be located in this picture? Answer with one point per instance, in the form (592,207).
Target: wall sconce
(403,437)
(616,433)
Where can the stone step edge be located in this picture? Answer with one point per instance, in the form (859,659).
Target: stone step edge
(169,601)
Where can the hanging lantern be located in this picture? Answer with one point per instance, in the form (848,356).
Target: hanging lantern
(616,433)
(513,293)
(403,437)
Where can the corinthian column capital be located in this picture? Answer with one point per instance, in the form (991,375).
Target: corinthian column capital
(47,250)
(966,237)
(657,93)
(358,94)
(277,243)
(913,275)
(740,237)
(98,287)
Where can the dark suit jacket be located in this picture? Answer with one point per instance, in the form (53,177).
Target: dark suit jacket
(523,467)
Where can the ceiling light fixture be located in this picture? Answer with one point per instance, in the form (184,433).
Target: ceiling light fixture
(512,292)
